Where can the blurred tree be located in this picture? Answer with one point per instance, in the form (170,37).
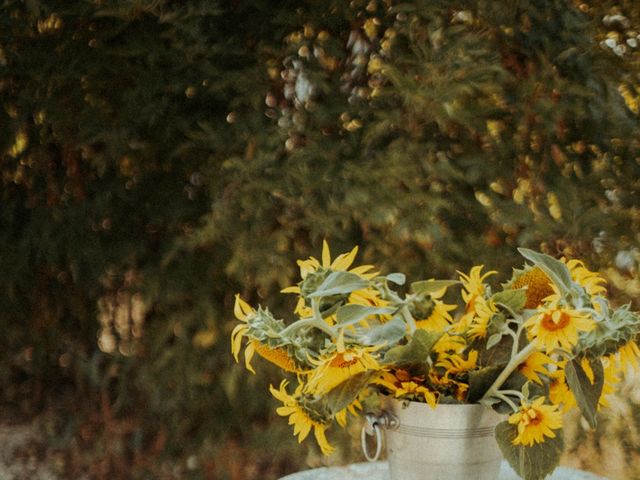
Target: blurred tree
(445,133)
(159,156)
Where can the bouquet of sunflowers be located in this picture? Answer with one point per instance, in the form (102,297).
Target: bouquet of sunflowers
(547,341)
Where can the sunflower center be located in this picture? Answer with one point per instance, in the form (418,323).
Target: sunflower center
(277,356)
(538,286)
(344,360)
(531,417)
(555,321)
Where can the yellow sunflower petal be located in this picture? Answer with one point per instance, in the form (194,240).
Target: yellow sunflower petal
(325,447)
(278,392)
(308,266)
(293,289)
(248,355)
(344,261)
(301,427)
(362,271)
(326,255)
(341,417)
(237,335)
(285,411)
(241,308)
(535,421)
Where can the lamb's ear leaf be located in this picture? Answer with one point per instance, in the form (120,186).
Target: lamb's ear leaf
(529,462)
(555,269)
(397,278)
(480,380)
(353,313)
(587,394)
(514,299)
(344,394)
(388,333)
(339,283)
(415,352)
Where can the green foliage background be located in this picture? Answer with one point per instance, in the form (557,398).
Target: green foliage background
(170,154)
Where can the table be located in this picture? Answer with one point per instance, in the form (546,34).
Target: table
(378,471)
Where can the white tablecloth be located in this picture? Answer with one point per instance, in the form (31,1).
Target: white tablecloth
(378,471)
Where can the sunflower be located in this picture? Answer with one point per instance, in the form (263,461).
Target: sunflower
(412,390)
(535,364)
(341,416)
(478,310)
(341,263)
(278,355)
(559,392)
(611,378)
(537,284)
(344,363)
(628,355)
(301,417)
(473,285)
(439,317)
(591,281)
(313,272)
(455,364)
(243,312)
(402,384)
(535,421)
(447,386)
(478,323)
(369,297)
(448,343)
(557,327)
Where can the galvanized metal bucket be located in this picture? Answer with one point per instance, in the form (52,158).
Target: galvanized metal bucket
(450,442)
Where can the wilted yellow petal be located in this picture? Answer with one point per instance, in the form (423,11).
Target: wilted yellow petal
(294,289)
(241,308)
(345,260)
(326,255)
(248,355)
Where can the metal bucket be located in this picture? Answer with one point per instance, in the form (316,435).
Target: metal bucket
(450,442)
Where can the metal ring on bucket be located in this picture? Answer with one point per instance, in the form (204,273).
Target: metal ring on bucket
(363,438)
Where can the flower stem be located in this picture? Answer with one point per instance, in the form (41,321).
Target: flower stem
(516,339)
(408,318)
(506,400)
(308,322)
(404,310)
(508,370)
(515,393)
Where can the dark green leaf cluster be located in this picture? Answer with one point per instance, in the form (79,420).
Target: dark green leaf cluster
(530,462)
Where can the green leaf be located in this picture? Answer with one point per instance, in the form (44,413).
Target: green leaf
(397,278)
(480,381)
(388,333)
(414,353)
(350,314)
(514,300)
(338,283)
(343,395)
(493,340)
(555,269)
(587,394)
(530,463)
(431,286)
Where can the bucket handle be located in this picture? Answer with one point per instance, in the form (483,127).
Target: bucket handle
(373,427)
